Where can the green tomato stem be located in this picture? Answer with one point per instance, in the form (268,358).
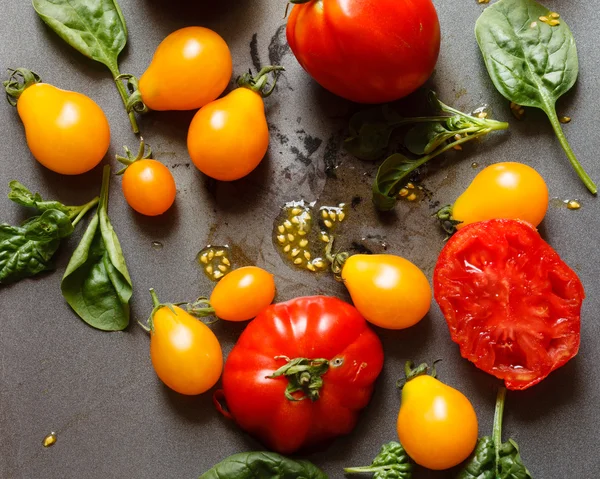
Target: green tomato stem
(125,98)
(498,413)
(104,188)
(80,213)
(587,181)
(364,469)
(155,300)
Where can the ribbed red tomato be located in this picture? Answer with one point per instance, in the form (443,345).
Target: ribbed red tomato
(511,303)
(301,372)
(368,51)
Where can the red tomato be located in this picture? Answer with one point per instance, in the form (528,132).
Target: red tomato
(368,51)
(511,303)
(338,349)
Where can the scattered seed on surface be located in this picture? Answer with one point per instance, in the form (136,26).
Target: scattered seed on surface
(554,15)
(296,211)
(226,261)
(319,264)
(281,228)
(325,238)
(410,186)
(457,136)
(209,269)
(287,248)
(573,205)
(302,232)
(307,255)
(411,197)
(211,255)
(328,223)
(218,275)
(324,214)
(50,440)
(543,18)
(341,215)
(533,25)
(220,253)
(295,252)
(554,23)
(403,192)
(311,267)
(332,215)
(281,239)
(298,261)
(457,147)
(482,114)
(287,224)
(302,243)
(290,237)
(565,119)
(222,267)
(204,258)
(295,220)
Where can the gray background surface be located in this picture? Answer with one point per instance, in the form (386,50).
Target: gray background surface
(114,418)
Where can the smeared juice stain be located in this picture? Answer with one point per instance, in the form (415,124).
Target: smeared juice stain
(215,261)
(569,204)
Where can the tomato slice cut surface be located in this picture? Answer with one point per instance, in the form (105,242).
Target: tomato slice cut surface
(512,305)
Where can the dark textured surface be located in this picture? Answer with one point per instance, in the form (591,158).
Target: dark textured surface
(113,417)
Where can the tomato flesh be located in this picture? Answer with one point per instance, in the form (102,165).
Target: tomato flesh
(510,302)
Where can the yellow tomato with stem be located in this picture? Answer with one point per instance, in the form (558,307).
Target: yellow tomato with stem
(66,131)
(229,137)
(190,68)
(503,191)
(437,424)
(185,353)
(388,290)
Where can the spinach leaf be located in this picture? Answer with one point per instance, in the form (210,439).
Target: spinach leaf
(531,59)
(392,462)
(493,459)
(95,28)
(424,138)
(27,250)
(263,465)
(96,283)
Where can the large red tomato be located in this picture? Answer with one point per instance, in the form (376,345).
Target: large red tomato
(511,303)
(301,372)
(368,51)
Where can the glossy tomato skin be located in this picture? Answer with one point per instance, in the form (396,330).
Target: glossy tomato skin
(229,137)
(504,190)
(185,353)
(190,68)
(389,291)
(367,51)
(437,425)
(311,327)
(149,187)
(66,131)
(243,293)
(512,305)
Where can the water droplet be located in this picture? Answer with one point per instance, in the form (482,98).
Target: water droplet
(474,165)
(50,440)
(157,245)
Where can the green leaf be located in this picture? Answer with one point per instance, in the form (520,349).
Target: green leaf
(426,137)
(482,464)
(391,177)
(263,465)
(530,62)
(28,249)
(510,465)
(392,462)
(96,283)
(370,132)
(23,196)
(95,28)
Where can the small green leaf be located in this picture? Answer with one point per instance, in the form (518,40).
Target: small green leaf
(95,28)
(391,177)
(23,196)
(482,464)
(96,283)
(263,465)
(28,249)
(370,132)
(426,137)
(392,462)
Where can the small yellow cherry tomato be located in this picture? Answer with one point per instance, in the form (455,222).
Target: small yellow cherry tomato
(67,132)
(243,293)
(437,425)
(229,137)
(503,191)
(389,291)
(190,68)
(185,353)
(149,187)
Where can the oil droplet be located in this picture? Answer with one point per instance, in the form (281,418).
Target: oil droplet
(296,245)
(215,261)
(50,440)
(157,245)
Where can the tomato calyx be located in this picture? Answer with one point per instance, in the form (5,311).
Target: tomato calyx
(411,372)
(337,260)
(20,79)
(259,84)
(303,375)
(447,221)
(133,102)
(143,153)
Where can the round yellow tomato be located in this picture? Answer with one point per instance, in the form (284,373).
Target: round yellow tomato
(185,353)
(229,137)
(149,187)
(504,191)
(243,293)
(389,291)
(190,68)
(67,132)
(437,425)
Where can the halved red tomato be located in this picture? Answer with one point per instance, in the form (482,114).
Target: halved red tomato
(512,305)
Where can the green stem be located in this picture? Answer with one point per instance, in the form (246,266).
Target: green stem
(497,431)
(587,181)
(105,185)
(155,300)
(82,210)
(125,97)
